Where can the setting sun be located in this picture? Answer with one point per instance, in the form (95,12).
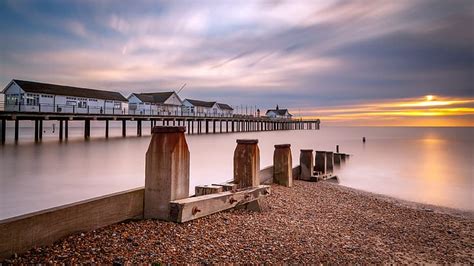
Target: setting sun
(429,97)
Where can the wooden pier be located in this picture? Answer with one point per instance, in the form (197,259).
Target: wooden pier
(193,124)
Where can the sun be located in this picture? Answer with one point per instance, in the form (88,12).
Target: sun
(429,97)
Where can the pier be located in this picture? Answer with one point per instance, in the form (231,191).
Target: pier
(193,124)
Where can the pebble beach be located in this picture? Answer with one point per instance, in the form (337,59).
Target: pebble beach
(308,223)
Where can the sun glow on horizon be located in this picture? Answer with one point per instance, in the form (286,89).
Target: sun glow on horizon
(430,110)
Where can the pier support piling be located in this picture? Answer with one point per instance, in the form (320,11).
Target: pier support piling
(66,129)
(36,130)
(282,165)
(87,129)
(3,130)
(61,129)
(166,171)
(17,126)
(40,129)
(247,163)
(306,164)
(106,128)
(124,128)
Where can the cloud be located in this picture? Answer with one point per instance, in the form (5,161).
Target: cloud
(298,54)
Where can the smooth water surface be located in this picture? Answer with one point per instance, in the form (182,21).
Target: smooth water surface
(427,165)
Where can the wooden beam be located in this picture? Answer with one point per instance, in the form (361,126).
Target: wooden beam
(206,190)
(196,207)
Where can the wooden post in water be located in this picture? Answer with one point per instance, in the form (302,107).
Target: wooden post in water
(337,159)
(60,129)
(40,129)
(329,161)
(166,171)
(320,162)
(282,165)
(36,130)
(306,164)
(247,163)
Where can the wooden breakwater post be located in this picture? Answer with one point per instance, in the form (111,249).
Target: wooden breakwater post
(247,163)
(329,162)
(306,164)
(337,159)
(320,162)
(166,171)
(282,165)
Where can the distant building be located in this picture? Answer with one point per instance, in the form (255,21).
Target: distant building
(30,96)
(203,108)
(156,103)
(278,113)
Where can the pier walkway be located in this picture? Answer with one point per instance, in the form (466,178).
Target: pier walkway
(193,124)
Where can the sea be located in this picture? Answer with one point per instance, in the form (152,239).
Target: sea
(420,164)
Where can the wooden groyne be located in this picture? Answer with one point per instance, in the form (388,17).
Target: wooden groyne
(165,195)
(193,124)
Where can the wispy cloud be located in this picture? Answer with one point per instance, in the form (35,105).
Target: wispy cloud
(299,54)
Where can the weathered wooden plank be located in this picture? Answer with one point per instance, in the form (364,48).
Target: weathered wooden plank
(206,190)
(18,234)
(195,207)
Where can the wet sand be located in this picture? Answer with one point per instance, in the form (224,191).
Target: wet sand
(309,223)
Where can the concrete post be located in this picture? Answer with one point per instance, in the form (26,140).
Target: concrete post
(329,161)
(320,161)
(306,164)
(282,165)
(166,171)
(247,163)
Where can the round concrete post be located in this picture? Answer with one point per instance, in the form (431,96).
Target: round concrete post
(320,162)
(247,163)
(306,164)
(329,161)
(282,165)
(166,171)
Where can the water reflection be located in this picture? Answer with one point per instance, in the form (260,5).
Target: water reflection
(425,165)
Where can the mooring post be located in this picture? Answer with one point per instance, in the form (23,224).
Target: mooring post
(320,162)
(283,165)
(247,163)
(166,171)
(329,161)
(3,131)
(306,164)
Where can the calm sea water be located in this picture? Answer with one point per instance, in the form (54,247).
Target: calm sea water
(427,165)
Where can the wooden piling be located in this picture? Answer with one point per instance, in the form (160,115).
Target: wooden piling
(17,126)
(61,129)
(329,161)
(66,129)
(3,131)
(106,128)
(306,164)
(282,165)
(320,162)
(124,128)
(247,163)
(166,171)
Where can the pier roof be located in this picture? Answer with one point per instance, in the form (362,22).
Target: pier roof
(154,97)
(55,89)
(281,112)
(225,106)
(201,103)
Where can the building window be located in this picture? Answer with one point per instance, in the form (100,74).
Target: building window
(82,104)
(117,105)
(32,99)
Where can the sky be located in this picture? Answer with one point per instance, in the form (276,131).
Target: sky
(345,62)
